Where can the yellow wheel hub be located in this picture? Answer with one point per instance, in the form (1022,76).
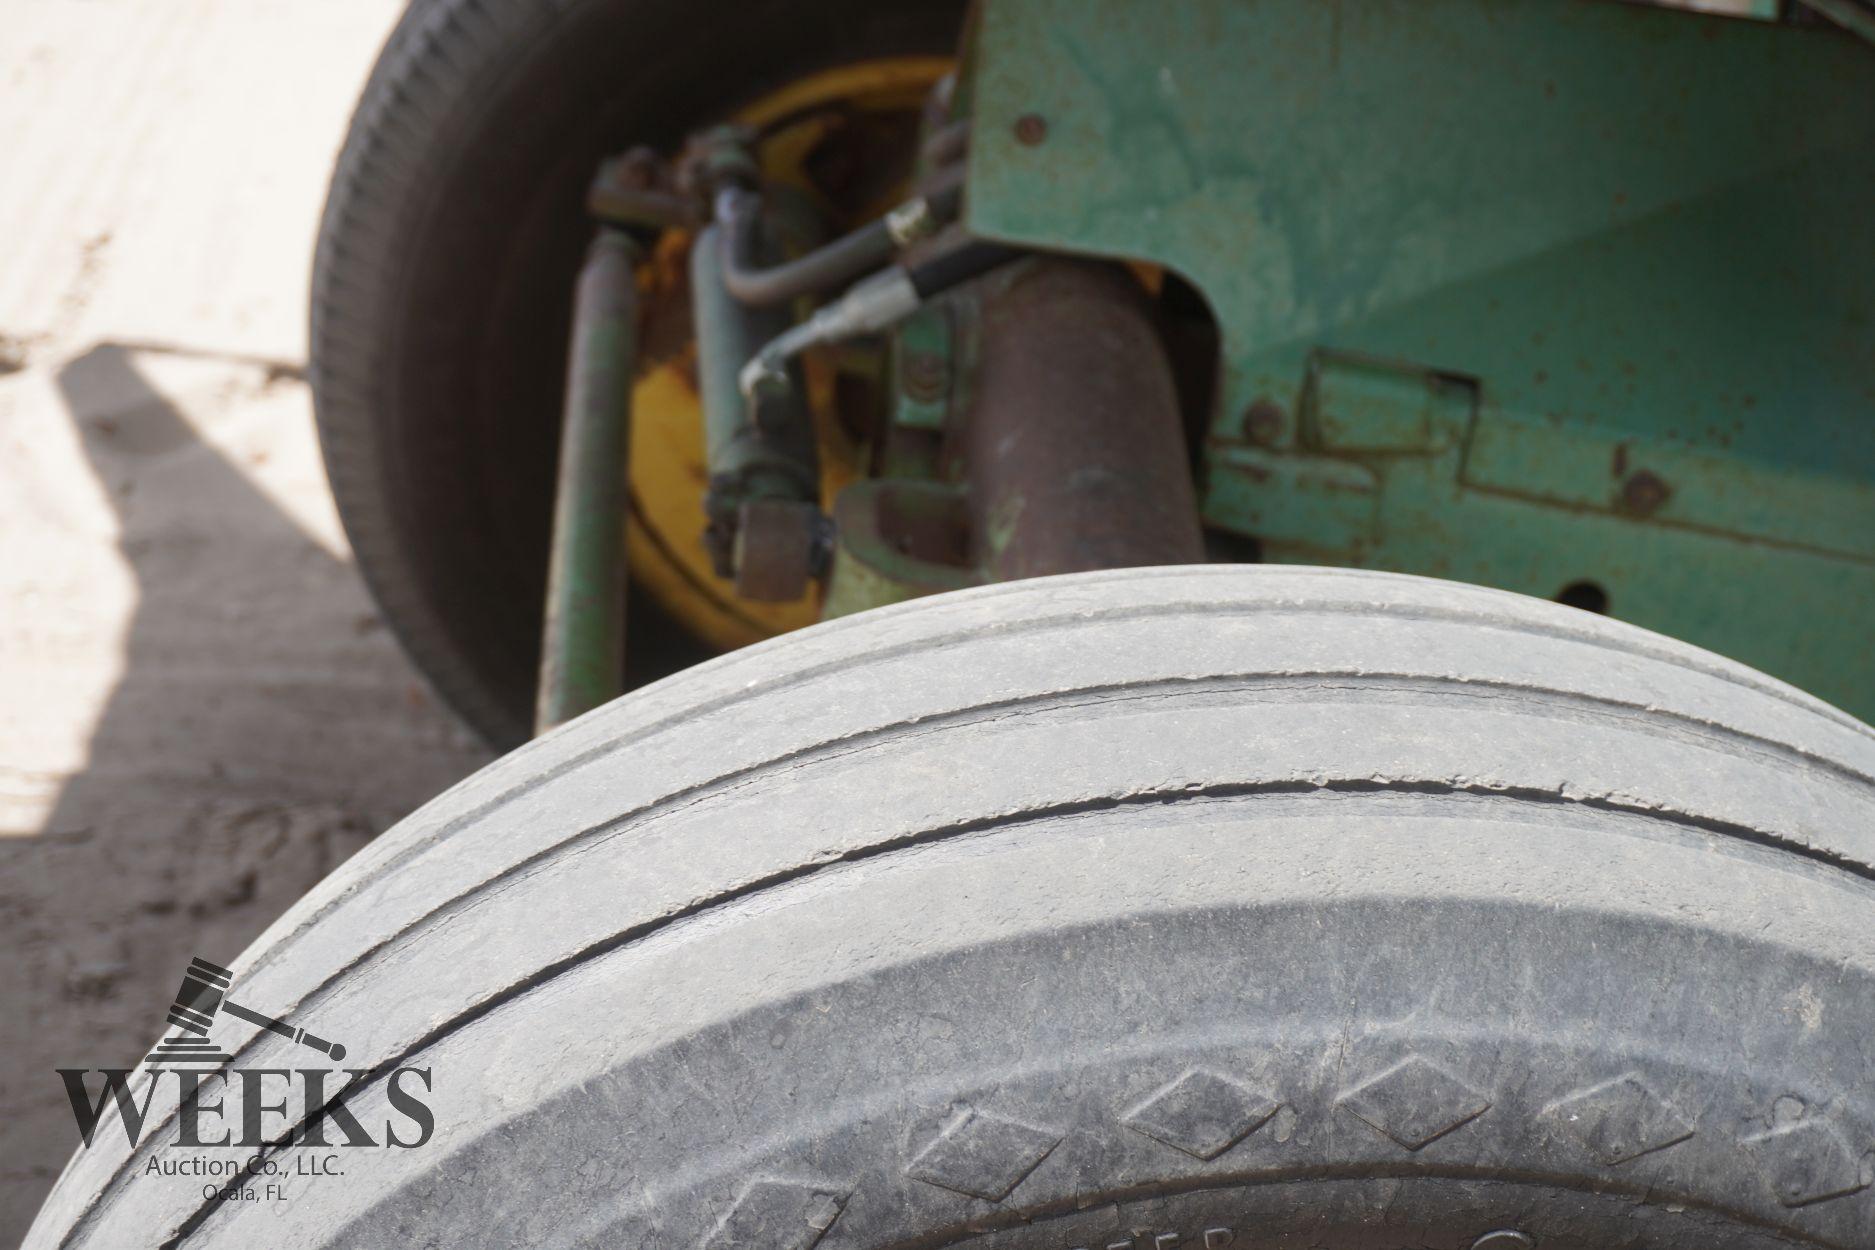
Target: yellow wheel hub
(664,533)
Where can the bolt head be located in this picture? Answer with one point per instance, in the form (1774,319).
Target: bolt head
(1264,422)
(1031,129)
(1644,492)
(925,376)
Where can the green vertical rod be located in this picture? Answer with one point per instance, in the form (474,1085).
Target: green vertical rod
(582,653)
(777,458)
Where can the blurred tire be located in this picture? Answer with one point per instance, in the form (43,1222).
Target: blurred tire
(444,272)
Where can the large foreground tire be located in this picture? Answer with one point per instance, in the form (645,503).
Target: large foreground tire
(444,277)
(1178,908)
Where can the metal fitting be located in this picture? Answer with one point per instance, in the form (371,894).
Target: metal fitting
(873,304)
(780,547)
(911,221)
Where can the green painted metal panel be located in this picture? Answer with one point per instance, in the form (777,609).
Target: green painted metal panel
(1521,292)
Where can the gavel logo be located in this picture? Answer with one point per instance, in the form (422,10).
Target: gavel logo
(203,993)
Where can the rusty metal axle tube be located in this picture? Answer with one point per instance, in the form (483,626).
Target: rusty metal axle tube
(1075,445)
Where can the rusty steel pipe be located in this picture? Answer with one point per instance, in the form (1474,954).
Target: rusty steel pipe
(1076,449)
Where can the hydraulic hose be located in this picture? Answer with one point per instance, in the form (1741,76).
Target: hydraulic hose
(873,304)
(871,247)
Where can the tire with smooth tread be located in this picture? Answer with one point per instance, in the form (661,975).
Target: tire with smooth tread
(1167,909)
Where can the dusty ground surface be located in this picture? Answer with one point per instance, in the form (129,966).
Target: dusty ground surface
(200,714)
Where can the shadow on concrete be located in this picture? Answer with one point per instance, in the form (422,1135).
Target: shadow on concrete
(264,727)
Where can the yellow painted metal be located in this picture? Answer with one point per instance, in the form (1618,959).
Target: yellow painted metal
(897,82)
(664,534)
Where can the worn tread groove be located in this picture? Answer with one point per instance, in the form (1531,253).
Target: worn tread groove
(1736,725)
(1105,695)
(640,734)
(637,933)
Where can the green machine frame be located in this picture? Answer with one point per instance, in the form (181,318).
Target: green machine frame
(1537,294)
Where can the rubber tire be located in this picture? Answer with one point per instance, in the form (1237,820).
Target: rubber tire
(1329,908)
(444,275)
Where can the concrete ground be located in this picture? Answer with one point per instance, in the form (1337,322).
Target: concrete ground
(200,713)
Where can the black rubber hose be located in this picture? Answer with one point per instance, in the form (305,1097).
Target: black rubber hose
(866,249)
(959,265)
(947,145)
